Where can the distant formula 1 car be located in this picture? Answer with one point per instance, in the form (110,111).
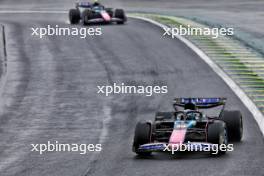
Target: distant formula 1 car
(190,127)
(90,13)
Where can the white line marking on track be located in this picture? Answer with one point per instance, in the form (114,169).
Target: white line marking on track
(235,88)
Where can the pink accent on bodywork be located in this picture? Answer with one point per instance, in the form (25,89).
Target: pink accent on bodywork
(177,136)
(206,129)
(105,16)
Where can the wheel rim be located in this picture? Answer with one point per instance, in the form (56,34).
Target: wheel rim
(226,138)
(223,138)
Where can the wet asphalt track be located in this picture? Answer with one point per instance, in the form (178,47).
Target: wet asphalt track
(50,94)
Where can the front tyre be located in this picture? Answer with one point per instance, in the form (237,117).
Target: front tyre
(142,136)
(120,14)
(217,135)
(74,16)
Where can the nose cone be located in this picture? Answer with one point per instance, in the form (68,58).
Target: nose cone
(105,16)
(177,136)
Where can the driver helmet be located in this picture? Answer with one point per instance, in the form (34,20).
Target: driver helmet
(190,115)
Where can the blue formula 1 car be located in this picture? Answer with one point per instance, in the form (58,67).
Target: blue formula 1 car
(189,127)
(91,13)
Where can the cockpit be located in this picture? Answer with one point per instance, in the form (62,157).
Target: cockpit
(188,115)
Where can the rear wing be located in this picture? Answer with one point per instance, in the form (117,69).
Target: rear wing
(201,103)
(83,4)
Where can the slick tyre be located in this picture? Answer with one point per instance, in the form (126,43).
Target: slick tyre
(217,134)
(120,14)
(142,136)
(74,16)
(234,123)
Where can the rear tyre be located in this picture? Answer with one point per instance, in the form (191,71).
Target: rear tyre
(217,134)
(119,13)
(234,123)
(74,16)
(142,136)
(86,16)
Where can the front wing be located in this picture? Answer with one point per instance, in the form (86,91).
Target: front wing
(165,147)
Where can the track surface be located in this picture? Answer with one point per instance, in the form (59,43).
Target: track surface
(50,94)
